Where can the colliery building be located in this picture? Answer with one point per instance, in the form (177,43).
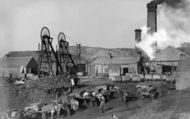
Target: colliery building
(16,65)
(115,66)
(167,60)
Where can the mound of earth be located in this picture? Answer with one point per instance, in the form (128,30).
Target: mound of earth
(34,91)
(50,82)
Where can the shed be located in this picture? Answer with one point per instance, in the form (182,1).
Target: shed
(167,60)
(17,65)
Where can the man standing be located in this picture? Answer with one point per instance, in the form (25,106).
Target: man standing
(72,82)
(102,102)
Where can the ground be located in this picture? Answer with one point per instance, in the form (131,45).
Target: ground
(169,104)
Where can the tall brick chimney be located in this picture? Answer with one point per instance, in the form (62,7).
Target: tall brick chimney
(152,16)
(137,35)
(137,40)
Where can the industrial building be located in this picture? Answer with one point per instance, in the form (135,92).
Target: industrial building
(16,65)
(167,60)
(118,66)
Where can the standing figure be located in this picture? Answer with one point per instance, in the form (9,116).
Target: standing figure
(73,83)
(102,102)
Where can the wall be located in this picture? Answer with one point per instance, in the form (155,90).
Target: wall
(110,69)
(132,68)
(98,70)
(101,70)
(118,69)
(91,70)
(6,71)
(32,66)
(114,70)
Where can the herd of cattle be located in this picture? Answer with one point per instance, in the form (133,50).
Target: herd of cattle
(76,100)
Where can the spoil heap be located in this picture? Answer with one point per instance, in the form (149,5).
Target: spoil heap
(50,83)
(35,91)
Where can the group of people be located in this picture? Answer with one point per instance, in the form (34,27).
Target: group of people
(100,97)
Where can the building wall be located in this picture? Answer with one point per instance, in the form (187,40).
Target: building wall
(32,66)
(121,69)
(91,70)
(111,69)
(132,68)
(6,71)
(114,70)
(98,70)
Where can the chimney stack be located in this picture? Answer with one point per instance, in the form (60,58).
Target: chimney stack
(137,35)
(137,40)
(152,16)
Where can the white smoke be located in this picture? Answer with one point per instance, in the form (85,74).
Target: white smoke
(173,30)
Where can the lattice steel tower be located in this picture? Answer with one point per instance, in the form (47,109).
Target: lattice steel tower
(45,55)
(63,52)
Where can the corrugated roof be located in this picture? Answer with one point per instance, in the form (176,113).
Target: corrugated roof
(33,54)
(115,53)
(169,54)
(14,61)
(120,60)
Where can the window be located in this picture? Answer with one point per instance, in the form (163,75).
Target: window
(125,70)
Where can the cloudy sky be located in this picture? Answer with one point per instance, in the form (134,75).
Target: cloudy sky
(98,23)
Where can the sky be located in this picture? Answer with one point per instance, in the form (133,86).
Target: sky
(96,23)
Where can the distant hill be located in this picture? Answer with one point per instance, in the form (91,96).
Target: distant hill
(86,52)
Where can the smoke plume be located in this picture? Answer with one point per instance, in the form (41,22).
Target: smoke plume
(172,3)
(173,28)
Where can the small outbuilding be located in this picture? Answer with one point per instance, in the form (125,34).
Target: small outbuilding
(17,65)
(167,60)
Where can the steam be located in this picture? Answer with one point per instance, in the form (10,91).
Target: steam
(173,30)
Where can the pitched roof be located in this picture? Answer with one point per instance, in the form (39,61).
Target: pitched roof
(169,54)
(24,54)
(14,61)
(120,60)
(117,52)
